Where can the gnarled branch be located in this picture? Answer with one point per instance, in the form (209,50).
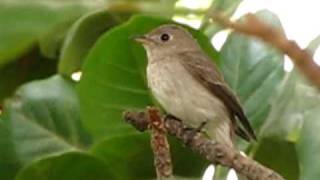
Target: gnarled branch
(212,151)
(254,27)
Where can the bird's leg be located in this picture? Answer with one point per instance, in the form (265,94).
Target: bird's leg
(198,129)
(170,116)
(191,131)
(194,131)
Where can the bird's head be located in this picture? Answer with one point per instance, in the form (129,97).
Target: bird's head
(166,40)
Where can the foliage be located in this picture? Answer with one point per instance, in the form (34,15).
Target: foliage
(52,127)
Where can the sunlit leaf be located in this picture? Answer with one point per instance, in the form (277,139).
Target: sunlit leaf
(253,69)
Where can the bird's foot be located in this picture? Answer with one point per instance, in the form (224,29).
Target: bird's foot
(199,129)
(193,131)
(170,116)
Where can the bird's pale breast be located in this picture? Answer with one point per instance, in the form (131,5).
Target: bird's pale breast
(184,97)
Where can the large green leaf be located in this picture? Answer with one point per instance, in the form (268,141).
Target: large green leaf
(114,77)
(81,37)
(135,161)
(23,23)
(293,120)
(253,69)
(113,81)
(68,166)
(43,118)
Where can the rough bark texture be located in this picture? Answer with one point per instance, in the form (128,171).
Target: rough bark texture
(160,145)
(214,152)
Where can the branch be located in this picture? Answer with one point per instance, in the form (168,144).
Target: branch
(254,27)
(212,151)
(160,145)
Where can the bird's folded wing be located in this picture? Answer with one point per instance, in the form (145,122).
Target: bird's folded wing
(203,69)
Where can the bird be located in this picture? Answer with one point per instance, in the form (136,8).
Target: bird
(189,86)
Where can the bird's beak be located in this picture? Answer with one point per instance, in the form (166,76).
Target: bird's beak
(141,39)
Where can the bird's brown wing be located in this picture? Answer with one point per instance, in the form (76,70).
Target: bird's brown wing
(202,69)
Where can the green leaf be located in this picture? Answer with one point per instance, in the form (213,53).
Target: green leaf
(113,81)
(68,166)
(253,69)
(23,23)
(8,162)
(292,120)
(131,156)
(113,77)
(308,146)
(51,42)
(279,155)
(286,115)
(81,37)
(43,118)
(135,161)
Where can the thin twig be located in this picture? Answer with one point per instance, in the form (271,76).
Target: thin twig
(255,27)
(214,152)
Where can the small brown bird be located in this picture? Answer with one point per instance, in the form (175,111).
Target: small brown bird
(188,85)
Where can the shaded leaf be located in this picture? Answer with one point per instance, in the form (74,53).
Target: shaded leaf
(43,118)
(132,158)
(81,37)
(29,67)
(279,155)
(113,77)
(68,166)
(8,161)
(50,43)
(253,69)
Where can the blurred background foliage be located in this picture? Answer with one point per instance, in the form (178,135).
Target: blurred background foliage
(68,70)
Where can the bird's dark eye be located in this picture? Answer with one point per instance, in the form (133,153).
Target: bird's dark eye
(164,37)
